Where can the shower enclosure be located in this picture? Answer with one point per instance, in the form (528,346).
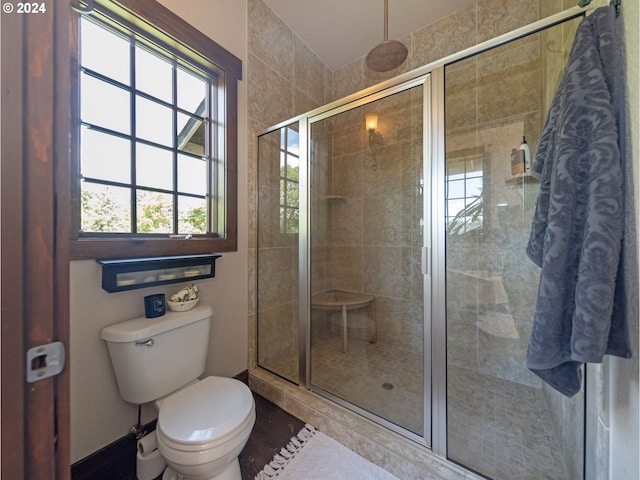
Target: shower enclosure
(391,265)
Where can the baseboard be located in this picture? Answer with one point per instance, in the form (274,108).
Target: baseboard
(118,459)
(243,377)
(115,461)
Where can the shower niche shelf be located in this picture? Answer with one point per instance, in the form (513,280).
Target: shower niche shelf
(521,180)
(131,273)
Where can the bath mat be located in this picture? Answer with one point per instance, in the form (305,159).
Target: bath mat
(311,455)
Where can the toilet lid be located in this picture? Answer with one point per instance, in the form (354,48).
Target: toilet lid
(206,411)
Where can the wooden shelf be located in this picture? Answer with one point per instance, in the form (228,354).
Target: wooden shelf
(131,273)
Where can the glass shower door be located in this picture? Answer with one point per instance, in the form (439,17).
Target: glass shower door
(367,302)
(502,421)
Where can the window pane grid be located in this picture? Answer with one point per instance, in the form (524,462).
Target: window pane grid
(465,210)
(199,113)
(189,137)
(118,135)
(289,185)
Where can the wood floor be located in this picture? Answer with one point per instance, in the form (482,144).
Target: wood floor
(273,429)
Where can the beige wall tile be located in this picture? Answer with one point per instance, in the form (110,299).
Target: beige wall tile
(270,95)
(347,224)
(461,94)
(320,268)
(509,82)
(302,103)
(348,139)
(386,170)
(386,271)
(496,17)
(444,37)
(347,174)
(275,277)
(308,72)
(394,320)
(348,79)
(387,220)
(270,39)
(277,339)
(347,268)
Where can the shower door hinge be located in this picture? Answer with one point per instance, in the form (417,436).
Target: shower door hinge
(426,261)
(45,361)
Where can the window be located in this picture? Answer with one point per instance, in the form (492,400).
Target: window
(464,191)
(289,180)
(156,136)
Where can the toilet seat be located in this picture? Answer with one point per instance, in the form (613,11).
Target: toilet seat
(205,415)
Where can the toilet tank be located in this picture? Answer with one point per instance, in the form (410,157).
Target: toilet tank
(152,357)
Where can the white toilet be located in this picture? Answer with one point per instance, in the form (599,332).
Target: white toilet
(203,425)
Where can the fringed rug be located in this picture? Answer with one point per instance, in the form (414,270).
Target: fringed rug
(311,455)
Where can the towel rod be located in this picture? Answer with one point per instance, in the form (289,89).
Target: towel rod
(615,3)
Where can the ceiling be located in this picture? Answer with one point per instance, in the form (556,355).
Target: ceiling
(341,31)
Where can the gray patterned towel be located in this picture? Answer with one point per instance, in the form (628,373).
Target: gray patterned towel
(577,230)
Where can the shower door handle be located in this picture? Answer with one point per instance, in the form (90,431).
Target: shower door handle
(426,261)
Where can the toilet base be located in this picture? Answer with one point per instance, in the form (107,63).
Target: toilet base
(232,472)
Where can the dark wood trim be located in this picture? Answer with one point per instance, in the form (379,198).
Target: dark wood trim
(64,181)
(11,176)
(39,236)
(114,462)
(232,167)
(61,152)
(92,249)
(178,29)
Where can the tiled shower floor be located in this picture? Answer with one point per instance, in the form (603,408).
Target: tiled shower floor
(501,429)
(498,428)
(384,381)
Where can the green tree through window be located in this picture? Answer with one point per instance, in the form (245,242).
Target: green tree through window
(289,181)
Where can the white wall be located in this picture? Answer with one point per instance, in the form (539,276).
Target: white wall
(98,414)
(613,404)
(624,382)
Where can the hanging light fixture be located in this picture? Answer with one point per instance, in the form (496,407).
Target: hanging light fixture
(389,54)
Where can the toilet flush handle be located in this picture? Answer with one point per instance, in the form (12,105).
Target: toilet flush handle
(146,343)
